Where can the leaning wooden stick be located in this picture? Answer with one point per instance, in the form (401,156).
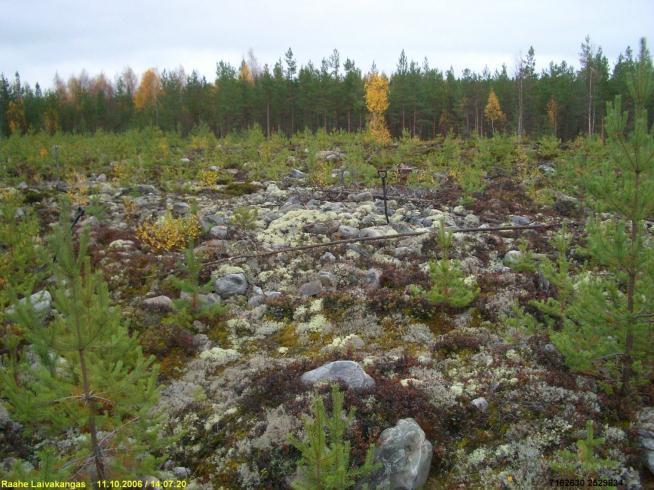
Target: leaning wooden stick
(373,239)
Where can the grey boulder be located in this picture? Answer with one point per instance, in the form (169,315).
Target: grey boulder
(645,430)
(349,372)
(566,205)
(346,232)
(220,232)
(162,303)
(297,174)
(41,302)
(231,285)
(311,288)
(405,455)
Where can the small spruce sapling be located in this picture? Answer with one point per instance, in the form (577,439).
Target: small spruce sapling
(325,454)
(89,377)
(448,284)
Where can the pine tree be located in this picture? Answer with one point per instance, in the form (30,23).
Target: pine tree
(90,377)
(610,320)
(325,462)
(192,304)
(449,287)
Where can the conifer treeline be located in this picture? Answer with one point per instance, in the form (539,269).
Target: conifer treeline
(286,98)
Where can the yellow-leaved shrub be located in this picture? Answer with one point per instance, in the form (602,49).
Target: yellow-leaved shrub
(168,233)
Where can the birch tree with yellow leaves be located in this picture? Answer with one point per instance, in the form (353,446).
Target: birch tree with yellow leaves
(376,94)
(493,111)
(147,95)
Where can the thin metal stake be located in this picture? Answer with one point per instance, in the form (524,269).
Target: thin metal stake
(382,175)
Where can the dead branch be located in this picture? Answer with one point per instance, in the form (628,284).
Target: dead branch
(374,239)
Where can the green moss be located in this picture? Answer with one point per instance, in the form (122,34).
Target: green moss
(240,188)
(172,364)
(287,336)
(219,333)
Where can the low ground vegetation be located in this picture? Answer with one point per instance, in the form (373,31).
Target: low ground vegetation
(522,355)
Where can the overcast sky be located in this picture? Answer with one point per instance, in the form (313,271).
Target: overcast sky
(40,38)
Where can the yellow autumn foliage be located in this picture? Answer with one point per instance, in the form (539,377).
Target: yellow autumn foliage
(168,233)
(208,178)
(376,95)
(493,111)
(376,87)
(16,116)
(148,91)
(78,189)
(245,74)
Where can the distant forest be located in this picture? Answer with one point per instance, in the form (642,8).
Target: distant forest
(423,101)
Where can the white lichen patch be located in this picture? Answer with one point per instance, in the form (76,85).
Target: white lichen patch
(317,324)
(288,229)
(219,356)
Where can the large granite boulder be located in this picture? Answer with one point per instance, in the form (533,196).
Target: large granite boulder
(349,372)
(405,455)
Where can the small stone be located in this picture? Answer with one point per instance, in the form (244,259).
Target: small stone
(349,372)
(322,227)
(220,232)
(517,220)
(480,404)
(271,295)
(346,232)
(329,155)
(146,189)
(328,257)
(327,279)
(201,342)
(373,277)
(471,221)
(311,288)
(547,169)
(400,252)
(376,231)
(181,209)
(101,178)
(179,471)
(22,186)
(459,210)
(566,205)
(361,196)
(231,285)
(161,303)
(184,160)
(297,174)
(41,302)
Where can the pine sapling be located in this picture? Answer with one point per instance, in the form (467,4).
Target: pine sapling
(325,454)
(449,287)
(608,326)
(89,376)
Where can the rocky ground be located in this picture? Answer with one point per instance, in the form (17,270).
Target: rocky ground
(454,398)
